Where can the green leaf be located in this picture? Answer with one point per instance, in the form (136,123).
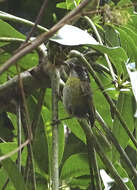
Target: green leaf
(125,108)
(121,171)
(40,146)
(82,182)
(128,43)
(61,142)
(76,129)
(117,56)
(62,5)
(7,30)
(6,127)
(111,36)
(99,100)
(13,174)
(28,61)
(75,166)
(133,22)
(8,147)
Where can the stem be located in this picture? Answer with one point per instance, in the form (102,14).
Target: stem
(94,170)
(19,136)
(106,56)
(121,151)
(102,155)
(9,17)
(40,14)
(55,145)
(76,13)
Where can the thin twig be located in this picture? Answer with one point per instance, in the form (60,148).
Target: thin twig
(40,14)
(76,13)
(121,151)
(105,55)
(94,171)
(90,148)
(29,130)
(14,151)
(19,135)
(9,17)
(5,185)
(102,155)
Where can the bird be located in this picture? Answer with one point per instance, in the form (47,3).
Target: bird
(77,94)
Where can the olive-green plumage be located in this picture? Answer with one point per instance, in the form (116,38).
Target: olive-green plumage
(77,95)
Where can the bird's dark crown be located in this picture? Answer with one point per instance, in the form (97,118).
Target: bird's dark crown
(80,70)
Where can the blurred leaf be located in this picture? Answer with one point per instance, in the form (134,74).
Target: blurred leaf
(61,142)
(99,100)
(40,146)
(13,174)
(75,166)
(3,177)
(132,154)
(128,43)
(117,56)
(6,127)
(133,22)
(106,145)
(131,68)
(125,108)
(80,182)
(111,36)
(7,147)
(26,62)
(62,5)
(121,171)
(73,146)
(76,129)
(8,31)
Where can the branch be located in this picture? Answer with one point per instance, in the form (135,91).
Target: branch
(88,131)
(76,13)
(105,55)
(32,79)
(9,17)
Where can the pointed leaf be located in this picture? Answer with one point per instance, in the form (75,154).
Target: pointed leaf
(6,30)
(125,107)
(72,36)
(75,166)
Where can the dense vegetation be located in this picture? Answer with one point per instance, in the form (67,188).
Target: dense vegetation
(41,148)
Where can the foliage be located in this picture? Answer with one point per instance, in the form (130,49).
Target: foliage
(116,25)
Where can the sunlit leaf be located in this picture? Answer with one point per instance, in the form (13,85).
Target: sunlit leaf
(77,37)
